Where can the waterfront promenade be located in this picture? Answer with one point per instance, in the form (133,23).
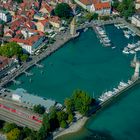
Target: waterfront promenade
(61,39)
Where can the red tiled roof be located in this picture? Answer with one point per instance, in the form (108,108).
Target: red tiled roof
(102,5)
(44,21)
(86,2)
(46,6)
(30,41)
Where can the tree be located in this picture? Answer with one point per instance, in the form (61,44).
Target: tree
(8,127)
(24,57)
(46,123)
(63,124)
(126,8)
(14,134)
(18,1)
(70,118)
(39,109)
(26,131)
(11,49)
(63,10)
(54,123)
(95,16)
(89,16)
(69,104)
(82,101)
(61,115)
(41,134)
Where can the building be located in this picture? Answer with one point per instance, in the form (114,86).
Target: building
(42,25)
(29,100)
(30,44)
(55,21)
(5,16)
(137,4)
(85,4)
(73,27)
(102,7)
(46,9)
(136,20)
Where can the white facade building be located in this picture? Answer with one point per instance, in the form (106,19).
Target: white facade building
(5,16)
(136,20)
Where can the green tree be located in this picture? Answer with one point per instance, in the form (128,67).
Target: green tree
(18,1)
(82,101)
(69,104)
(126,8)
(46,123)
(39,109)
(24,57)
(95,16)
(63,124)
(14,134)
(11,49)
(63,10)
(8,127)
(26,131)
(70,118)
(54,123)
(61,115)
(41,134)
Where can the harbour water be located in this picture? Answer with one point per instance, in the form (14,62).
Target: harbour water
(84,63)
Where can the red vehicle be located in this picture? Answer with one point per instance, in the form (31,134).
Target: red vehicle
(35,118)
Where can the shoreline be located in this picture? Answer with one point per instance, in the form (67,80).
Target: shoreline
(74,127)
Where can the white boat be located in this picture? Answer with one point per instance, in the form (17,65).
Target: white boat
(107,44)
(106,40)
(123,84)
(85,29)
(131,46)
(127,36)
(114,47)
(126,52)
(117,26)
(132,52)
(133,34)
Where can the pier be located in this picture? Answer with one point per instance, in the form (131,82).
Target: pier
(28,73)
(39,65)
(16,82)
(135,79)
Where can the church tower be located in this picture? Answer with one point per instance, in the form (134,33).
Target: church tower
(73,27)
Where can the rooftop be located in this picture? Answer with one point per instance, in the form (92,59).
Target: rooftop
(32,100)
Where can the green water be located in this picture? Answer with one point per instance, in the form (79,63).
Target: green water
(83,63)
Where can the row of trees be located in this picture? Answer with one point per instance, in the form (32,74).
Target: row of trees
(79,101)
(13,49)
(54,120)
(13,132)
(126,7)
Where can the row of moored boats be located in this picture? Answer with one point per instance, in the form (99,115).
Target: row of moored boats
(132,48)
(127,32)
(107,95)
(103,36)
